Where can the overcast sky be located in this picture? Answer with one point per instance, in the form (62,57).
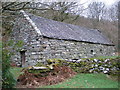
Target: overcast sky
(107,2)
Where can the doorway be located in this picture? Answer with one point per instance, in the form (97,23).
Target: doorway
(22,55)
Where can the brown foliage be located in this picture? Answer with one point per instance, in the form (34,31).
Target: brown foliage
(59,74)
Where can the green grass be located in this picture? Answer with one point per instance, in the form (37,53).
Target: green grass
(16,71)
(86,81)
(106,57)
(79,81)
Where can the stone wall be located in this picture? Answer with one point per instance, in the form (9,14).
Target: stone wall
(106,65)
(54,48)
(23,30)
(46,48)
(38,48)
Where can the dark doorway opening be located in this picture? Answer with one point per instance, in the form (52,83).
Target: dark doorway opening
(22,55)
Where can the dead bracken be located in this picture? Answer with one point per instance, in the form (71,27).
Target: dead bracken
(58,74)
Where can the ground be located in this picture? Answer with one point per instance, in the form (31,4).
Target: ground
(87,81)
(79,81)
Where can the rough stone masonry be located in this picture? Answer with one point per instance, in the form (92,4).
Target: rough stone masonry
(40,46)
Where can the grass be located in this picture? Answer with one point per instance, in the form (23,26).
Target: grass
(79,81)
(86,81)
(104,57)
(16,71)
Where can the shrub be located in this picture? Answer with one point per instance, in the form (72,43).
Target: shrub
(8,81)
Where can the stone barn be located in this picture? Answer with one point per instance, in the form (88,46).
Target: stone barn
(46,39)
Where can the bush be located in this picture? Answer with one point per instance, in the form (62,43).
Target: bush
(8,81)
(7,77)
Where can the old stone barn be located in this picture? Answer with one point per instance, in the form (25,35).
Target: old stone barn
(46,39)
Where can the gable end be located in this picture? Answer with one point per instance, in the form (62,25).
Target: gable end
(32,23)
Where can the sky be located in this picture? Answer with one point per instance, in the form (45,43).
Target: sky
(107,2)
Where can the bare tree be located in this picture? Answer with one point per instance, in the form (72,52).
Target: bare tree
(113,12)
(13,6)
(96,11)
(59,11)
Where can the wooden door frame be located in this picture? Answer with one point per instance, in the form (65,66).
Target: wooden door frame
(22,58)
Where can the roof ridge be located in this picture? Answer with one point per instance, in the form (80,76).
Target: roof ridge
(32,23)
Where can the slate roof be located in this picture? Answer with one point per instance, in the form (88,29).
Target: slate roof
(54,29)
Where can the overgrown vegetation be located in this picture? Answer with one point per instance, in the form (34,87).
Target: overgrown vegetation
(8,81)
(16,71)
(52,73)
(58,74)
